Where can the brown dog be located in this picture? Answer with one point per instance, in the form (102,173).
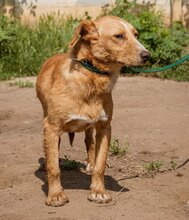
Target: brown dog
(76,99)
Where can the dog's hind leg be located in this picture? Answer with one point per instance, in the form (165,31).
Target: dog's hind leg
(56,195)
(90,146)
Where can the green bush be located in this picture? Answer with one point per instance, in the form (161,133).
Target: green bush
(180,73)
(6,35)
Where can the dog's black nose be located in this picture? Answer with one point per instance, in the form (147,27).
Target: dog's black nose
(145,55)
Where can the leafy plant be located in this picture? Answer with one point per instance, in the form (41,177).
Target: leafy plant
(71,164)
(118,150)
(6,35)
(153,165)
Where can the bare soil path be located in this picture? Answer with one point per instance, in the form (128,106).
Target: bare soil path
(151,114)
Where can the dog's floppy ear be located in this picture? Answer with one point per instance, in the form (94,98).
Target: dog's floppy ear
(86,30)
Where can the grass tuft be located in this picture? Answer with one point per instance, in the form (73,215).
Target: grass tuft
(71,164)
(22,84)
(153,166)
(116,149)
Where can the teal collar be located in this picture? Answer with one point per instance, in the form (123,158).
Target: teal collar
(89,66)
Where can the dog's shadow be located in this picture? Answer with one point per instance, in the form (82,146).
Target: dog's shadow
(75,179)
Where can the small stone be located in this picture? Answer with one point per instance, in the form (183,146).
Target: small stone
(179,174)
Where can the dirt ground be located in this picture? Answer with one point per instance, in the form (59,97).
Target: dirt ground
(152,115)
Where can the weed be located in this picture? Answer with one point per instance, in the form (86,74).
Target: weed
(70,164)
(173,164)
(153,165)
(22,84)
(118,150)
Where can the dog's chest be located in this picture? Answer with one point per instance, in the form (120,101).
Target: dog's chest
(80,122)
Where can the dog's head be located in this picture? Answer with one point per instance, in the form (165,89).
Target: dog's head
(112,40)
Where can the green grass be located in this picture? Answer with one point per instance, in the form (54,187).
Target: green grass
(116,149)
(22,84)
(7,75)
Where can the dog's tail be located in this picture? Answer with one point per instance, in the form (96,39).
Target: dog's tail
(71,137)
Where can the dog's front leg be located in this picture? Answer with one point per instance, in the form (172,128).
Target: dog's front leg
(103,136)
(56,196)
(90,145)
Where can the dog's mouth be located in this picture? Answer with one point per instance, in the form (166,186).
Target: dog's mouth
(131,65)
(139,60)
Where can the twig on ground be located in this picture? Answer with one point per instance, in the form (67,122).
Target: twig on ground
(160,171)
(183,164)
(115,198)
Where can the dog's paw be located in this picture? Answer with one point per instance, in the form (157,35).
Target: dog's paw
(99,197)
(57,199)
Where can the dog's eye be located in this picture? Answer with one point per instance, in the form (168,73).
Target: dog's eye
(119,36)
(136,34)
